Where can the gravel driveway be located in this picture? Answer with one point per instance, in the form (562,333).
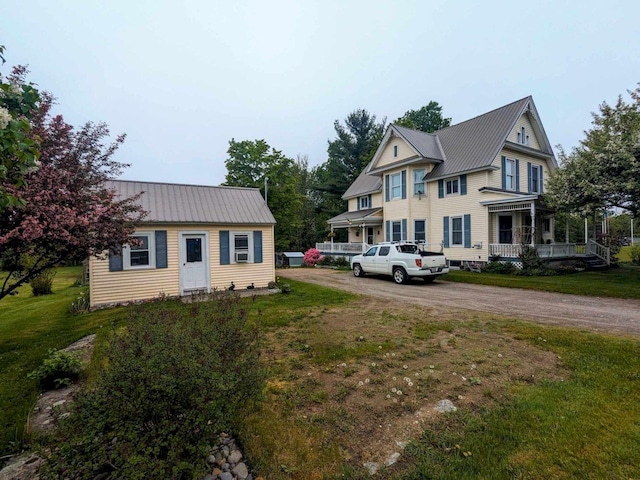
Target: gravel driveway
(610,315)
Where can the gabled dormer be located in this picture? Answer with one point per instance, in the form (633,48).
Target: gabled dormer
(402,146)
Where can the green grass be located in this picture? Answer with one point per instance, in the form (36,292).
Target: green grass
(29,327)
(622,282)
(587,426)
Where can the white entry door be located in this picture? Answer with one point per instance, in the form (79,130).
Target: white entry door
(194,262)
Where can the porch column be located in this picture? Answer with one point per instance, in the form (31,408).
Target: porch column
(364,240)
(586,230)
(533,224)
(331,236)
(566,230)
(632,219)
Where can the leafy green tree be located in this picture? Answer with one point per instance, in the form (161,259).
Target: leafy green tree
(18,149)
(604,170)
(426,119)
(250,162)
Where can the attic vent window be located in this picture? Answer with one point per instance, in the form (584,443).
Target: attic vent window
(395,151)
(523,138)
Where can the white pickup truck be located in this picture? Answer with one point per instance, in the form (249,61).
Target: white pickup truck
(400,260)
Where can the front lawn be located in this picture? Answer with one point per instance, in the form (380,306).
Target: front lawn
(621,282)
(352,380)
(29,327)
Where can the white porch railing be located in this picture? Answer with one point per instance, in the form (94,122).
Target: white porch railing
(340,247)
(553,250)
(599,251)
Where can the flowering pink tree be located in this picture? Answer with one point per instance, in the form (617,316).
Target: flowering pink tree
(311,257)
(64,211)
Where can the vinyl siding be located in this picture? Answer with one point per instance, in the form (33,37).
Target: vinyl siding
(459,205)
(133,285)
(525,122)
(404,151)
(494,178)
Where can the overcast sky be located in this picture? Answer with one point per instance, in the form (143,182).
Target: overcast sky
(183,78)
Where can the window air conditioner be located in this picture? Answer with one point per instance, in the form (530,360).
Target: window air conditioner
(242,257)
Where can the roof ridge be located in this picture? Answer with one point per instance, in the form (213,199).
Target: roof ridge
(528,97)
(180,184)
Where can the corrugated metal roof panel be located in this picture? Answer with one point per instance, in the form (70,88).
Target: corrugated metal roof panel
(474,143)
(363,184)
(425,143)
(175,203)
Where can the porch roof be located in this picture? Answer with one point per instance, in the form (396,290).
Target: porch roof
(370,216)
(522,202)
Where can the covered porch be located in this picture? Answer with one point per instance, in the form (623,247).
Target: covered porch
(364,228)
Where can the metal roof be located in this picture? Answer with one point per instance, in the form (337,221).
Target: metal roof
(475,143)
(363,185)
(175,203)
(355,216)
(426,144)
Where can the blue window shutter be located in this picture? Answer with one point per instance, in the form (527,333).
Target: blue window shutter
(358,203)
(440,188)
(386,188)
(387,231)
(463,184)
(225,254)
(404,184)
(529,175)
(257,246)
(161,249)
(517,175)
(445,229)
(541,188)
(404,229)
(467,231)
(370,204)
(504,172)
(115,260)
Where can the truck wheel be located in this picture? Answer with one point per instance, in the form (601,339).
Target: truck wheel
(428,279)
(357,270)
(400,275)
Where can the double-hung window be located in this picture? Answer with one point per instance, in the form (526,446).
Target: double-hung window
(456,231)
(396,231)
(364,202)
(535,179)
(418,182)
(419,230)
(510,174)
(396,185)
(453,186)
(140,253)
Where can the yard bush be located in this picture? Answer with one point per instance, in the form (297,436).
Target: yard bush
(499,267)
(43,283)
(635,254)
(532,264)
(58,370)
(311,257)
(176,376)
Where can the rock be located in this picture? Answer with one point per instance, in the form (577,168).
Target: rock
(234,457)
(371,467)
(392,459)
(225,451)
(212,459)
(241,471)
(225,466)
(444,406)
(225,476)
(208,476)
(216,472)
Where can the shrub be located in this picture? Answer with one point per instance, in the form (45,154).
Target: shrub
(532,264)
(58,370)
(311,257)
(41,284)
(499,267)
(635,254)
(326,260)
(177,375)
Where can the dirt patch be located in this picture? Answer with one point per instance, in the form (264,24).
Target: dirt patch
(372,372)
